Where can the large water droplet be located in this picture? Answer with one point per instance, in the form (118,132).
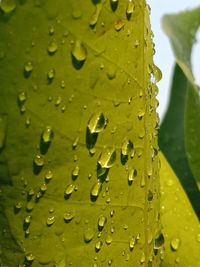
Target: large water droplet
(79,51)
(68,216)
(175,243)
(157,73)
(88,234)
(97,123)
(7,6)
(95,190)
(107,158)
(47,134)
(101,222)
(159,241)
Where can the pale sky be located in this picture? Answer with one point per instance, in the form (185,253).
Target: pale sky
(164,57)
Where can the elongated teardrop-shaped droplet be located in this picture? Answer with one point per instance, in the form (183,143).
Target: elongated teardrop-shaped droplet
(79,51)
(47,134)
(132,242)
(39,160)
(98,245)
(50,220)
(159,241)
(175,243)
(95,16)
(97,123)
(157,73)
(75,172)
(52,47)
(96,188)
(69,190)
(7,6)
(131,175)
(126,147)
(130,8)
(88,234)
(107,158)
(68,216)
(101,222)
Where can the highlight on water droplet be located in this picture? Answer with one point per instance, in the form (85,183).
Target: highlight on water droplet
(97,122)
(107,157)
(47,134)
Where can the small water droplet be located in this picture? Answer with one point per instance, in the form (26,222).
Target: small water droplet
(96,188)
(28,67)
(88,234)
(27,219)
(43,187)
(22,98)
(98,245)
(29,257)
(79,51)
(51,30)
(119,24)
(48,175)
(108,239)
(97,123)
(142,259)
(130,8)
(69,190)
(18,205)
(68,216)
(58,101)
(47,134)
(131,175)
(51,74)
(52,47)
(101,222)
(50,220)
(75,172)
(39,160)
(31,192)
(132,242)
(175,243)
(107,158)
(7,6)
(76,13)
(141,114)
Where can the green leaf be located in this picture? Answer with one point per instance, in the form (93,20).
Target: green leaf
(181,227)
(171,137)
(181,29)
(80,147)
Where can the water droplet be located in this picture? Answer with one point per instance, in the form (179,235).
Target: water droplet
(50,220)
(47,134)
(119,25)
(7,6)
(157,73)
(131,175)
(79,51)
(132,242)
(97,123)
(28,68)
(95,15)
(68,216)
(108,239)
(159,241)
(39,160)
(126,147)
(75,143)
(98,245)
(101,222)
(76,13)
(141,114)
(51,30)
(88,234)
(175,243)
(142,259)
(48,175)
(51,74)
(107,158)
(75,172)
(198,238)
(130,8)
(69,190)
(150,195)
(22,98)
(58,101)
(28,122)
(30,206)
(43,187)
(96,188)
(29,257)
(52,47)
(27,219)
(18,205)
